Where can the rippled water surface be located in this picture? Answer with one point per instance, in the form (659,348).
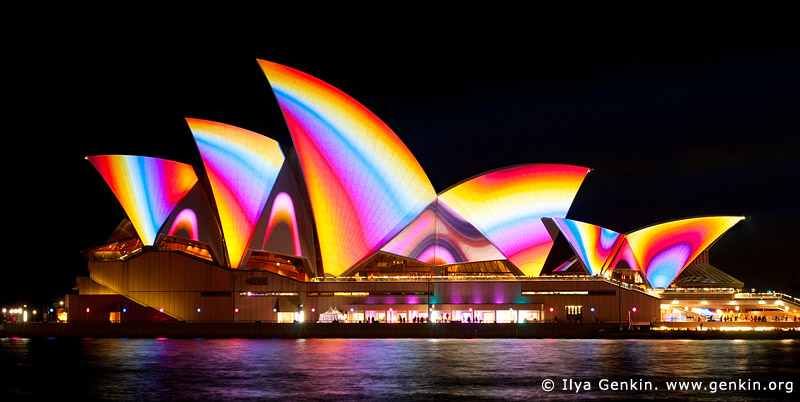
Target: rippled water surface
(388,369)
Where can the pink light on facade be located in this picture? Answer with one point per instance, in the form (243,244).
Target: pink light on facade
(283,212)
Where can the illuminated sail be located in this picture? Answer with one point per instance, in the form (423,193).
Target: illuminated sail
(242,167)
(365,186)
(593,244)
(508,205)
(665,249)
(147,188)
(566,265)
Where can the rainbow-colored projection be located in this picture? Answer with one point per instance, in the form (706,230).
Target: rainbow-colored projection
(593,244)
(148,188)
(185,225)
(242,167)
(365,186)
(664,250)
(565,265)
(508,205)
(440,236)
(624,254)
(283,213)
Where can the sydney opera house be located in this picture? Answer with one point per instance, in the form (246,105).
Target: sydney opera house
(344,225)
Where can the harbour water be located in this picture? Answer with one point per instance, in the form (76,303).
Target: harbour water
(396,369)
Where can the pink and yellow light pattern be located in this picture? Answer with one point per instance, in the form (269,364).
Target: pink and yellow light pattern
(185,221)
(508,205)
(242,167)
(365,186)
(283,212)
(440,236)
(593,244)
(624,253)
(147,188)
(664,250)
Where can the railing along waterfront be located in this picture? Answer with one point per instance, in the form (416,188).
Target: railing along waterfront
(768,295)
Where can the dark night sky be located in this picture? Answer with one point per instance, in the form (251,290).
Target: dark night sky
(673,127)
